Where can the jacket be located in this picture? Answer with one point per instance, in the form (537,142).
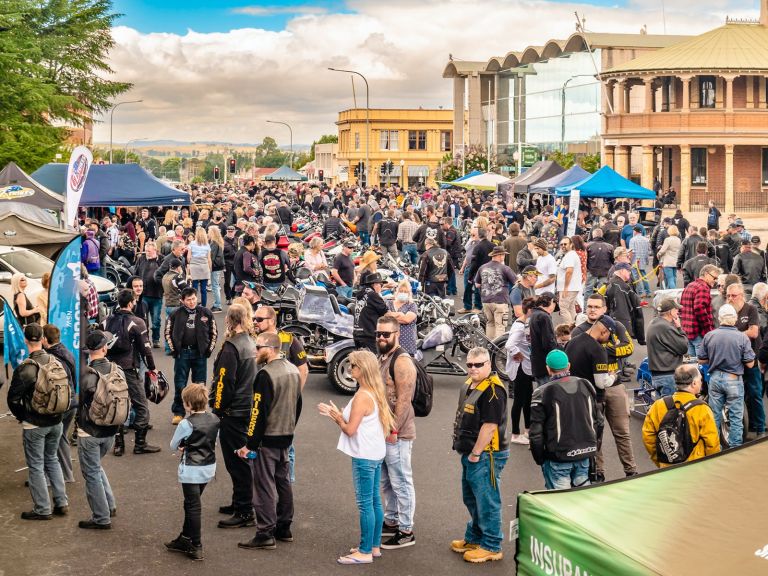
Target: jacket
(599,258)
(217,257)
(63,355)
(233,374)
(21,390)
(514,245)
(126,325)
(750,267)
(205,330)
(146,269)
(525,258)
(165,266)
(173,284)
(669,250)
(688,249)
(693,266)
(624,306)
(480,255)
(420,235)
(230,249)
(543,341)
(435,266)
(701,424)
(88,384)
(453,244)
(276,406)
(245,266)
(667,344)
(200,446)
(565,422)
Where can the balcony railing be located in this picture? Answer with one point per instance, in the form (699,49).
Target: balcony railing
(717,121)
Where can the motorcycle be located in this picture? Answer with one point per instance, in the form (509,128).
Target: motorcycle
(117,271)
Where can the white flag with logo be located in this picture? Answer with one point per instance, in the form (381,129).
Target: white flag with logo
(79,165)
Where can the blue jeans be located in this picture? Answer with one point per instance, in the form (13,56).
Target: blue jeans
(365,237)
(292,464)
(410,253)
(187,361)
(593,282)
(646,287)
(155,306)
(40,446)
(481,492)
(664,383)
(273,286)
(216,281)
(670,277)
(753,395)
(564,475)
(168,311)
(693,346)
(90,451)
(202,287)
(344,291)
(397,485)
(469,291)
(452,284)
(727,392)
(366,476)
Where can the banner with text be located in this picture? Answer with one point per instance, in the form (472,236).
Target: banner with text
(64,300)
(79,165)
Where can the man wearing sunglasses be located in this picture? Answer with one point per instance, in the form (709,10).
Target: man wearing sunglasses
(265,322)
(480,436)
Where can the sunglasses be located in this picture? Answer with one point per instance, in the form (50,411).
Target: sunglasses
(259,320)
(260,346)
(384,334)
(476,364)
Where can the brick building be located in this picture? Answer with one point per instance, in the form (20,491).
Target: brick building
(695,116)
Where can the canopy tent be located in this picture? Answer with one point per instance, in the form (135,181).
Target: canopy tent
(461,179)
(701,517)
(115,185)
(285,174)
(607,183)
(574,174)
(540,171)
(486,181)
(33,227)
(18,187)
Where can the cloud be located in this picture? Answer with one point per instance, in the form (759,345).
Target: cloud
(224,86)
(275,10)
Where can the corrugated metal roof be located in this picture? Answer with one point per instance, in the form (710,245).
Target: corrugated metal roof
(607,40)
(731,47)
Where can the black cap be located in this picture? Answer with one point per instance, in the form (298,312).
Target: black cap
(174,263)
(97,339)
(745,242)
(33,332)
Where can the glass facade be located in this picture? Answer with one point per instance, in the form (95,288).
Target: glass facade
(548,119)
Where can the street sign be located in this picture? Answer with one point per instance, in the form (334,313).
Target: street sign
(530,155)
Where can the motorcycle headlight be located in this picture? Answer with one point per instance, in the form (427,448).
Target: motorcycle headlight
(474,320)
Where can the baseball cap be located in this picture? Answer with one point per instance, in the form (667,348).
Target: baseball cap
(746,242)
(666,305)
(349,244)
(530,270)
(756,240)
(231,228)
(174,263)
(667,220)
(726,311)
(638,228)
(622,266)
(33,332)
(732,225)
(739,222)
(97,339)
(557,360)
(608,322)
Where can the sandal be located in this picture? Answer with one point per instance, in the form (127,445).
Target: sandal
(349,560)
(374,554)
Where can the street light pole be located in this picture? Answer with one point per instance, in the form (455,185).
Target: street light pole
(127,148)
(562,107)
(367,118)
(290,131)
(111,115)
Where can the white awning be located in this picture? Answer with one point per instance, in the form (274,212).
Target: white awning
(418,171)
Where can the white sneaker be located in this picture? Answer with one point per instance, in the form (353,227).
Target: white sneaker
(519,439)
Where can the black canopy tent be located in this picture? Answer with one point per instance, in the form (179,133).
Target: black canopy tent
(17,186)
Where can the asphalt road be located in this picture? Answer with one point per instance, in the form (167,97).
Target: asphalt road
(149,503)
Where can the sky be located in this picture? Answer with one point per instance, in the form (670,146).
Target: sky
(217,70)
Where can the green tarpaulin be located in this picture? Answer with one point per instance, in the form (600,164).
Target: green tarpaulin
(705,517)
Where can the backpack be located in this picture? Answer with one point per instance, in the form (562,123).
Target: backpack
(388,231)
(52,393)
(116,325)
(92,255)
(424,389)
(673,440)
(111,403)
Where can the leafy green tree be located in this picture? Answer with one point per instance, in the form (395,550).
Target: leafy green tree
(566,160)
(590,162)
(170,169)
(477,159)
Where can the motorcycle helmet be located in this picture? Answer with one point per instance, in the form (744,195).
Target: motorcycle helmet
(155,386)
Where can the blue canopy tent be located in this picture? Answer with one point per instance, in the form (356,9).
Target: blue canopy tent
(465,177)
(114,185)
(607,183)
(572,175)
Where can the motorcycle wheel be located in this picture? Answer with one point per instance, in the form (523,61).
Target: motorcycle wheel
(469,339)
(113,276)
(339,373)
(499,357)
(300,332)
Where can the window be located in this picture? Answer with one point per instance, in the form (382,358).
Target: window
(417,139)
(388,140)
(765,166)
(445,140)
(357,140)
(707,86)
(698,166)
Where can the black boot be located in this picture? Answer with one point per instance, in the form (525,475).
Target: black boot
(141,446)
(119,448)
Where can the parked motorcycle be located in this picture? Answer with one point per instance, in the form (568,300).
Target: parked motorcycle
(117,271)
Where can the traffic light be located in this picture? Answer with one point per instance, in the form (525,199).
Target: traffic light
(357,170)
(384,169)
(320,175)
(215,172)
(390,165)
(232,165)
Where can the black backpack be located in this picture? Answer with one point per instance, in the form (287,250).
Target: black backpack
(116,325)
(673,440)
(424,389)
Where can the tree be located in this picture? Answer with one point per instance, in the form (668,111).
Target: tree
(53,57)
(324,139)
(590,162)
(476,159)
(566,160)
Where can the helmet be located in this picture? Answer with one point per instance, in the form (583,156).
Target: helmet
(155,386)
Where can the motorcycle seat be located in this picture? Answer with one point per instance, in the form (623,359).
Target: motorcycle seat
(419,343)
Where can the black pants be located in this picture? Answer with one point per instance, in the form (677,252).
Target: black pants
(272,492)
(138,398)
(435,289)
(232,436)
(523,387)
(192,511)
(366,344)
(228,291)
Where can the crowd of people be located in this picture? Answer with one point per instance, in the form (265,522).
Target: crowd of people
(519,265)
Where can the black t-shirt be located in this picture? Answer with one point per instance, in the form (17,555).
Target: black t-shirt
(345,267)
(189,337)
(748,316)
(587,357)
(492,407)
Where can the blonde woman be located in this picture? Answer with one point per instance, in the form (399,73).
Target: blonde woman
(668,256)
(314,258)
(248,324)
(365,423)
(42,298)
(200,264)
(403,309)
(216,242)
(25,311)
(170,219)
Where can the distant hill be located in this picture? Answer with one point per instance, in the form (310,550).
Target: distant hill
(205,146)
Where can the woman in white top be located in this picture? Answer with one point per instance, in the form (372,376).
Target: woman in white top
(314,258)
(568,280)
(200,263)
(518,367)
(365,423)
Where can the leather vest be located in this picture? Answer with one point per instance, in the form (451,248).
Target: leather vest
(246,369)
(467,424)
(200,446)
(286,389)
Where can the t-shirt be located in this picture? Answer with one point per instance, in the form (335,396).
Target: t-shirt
(492,406)
(520,293)
(547,266)
(587,357)
(569,260)
(345,267)
(189,337)
(748,316)
(495,279)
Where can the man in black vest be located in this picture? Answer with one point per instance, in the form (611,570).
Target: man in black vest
(435,267)
(386,231)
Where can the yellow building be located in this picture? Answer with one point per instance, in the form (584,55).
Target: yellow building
(410,142)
